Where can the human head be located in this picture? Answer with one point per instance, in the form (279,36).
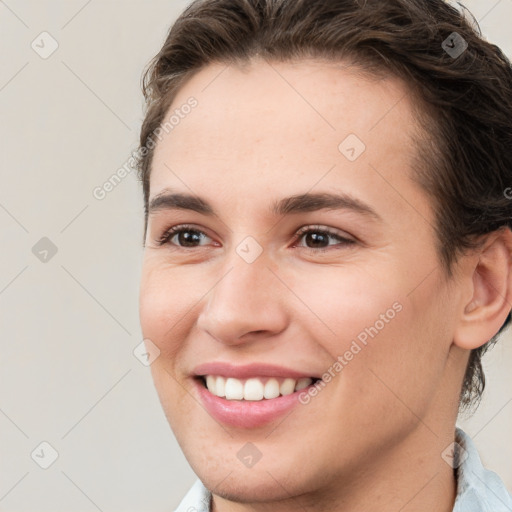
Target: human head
(465,107)
(392,47)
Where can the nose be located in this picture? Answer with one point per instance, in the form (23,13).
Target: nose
(245,305)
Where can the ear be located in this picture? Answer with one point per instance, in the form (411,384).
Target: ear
(489,277)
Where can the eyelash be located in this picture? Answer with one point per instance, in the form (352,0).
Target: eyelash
(170,233)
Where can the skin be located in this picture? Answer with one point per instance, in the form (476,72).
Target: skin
(372,438)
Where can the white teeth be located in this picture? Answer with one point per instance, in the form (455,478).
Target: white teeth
(303,383)
(254,389)
(210,384)
(220,387)
(287,387)
(271,389)
(234,389)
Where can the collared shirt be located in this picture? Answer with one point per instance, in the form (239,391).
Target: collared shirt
(478,489)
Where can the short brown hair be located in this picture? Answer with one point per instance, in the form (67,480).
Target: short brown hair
(464,102)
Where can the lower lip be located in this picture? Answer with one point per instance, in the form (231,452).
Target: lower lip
(247,413)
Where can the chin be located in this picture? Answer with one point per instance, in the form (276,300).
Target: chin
(251,488)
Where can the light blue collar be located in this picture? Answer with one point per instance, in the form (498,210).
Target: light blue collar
(478,489)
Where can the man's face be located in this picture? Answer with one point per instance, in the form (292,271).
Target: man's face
(248,287)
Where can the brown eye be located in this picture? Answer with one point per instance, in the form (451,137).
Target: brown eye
(320,238)
(182,236)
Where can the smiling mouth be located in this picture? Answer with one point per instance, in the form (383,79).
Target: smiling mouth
(254,388)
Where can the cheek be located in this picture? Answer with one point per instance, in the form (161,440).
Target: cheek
(163,317)
(388,342)
(166,305)
(399,372)
(347,304)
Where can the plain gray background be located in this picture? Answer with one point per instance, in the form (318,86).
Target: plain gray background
(69,319)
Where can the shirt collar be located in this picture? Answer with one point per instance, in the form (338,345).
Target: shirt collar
(198,499)
(478,489)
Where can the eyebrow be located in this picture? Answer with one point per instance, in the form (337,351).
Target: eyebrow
(299,203)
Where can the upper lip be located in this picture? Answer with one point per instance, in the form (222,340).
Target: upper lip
(248,370)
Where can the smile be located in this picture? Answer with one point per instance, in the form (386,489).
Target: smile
(254,389)
(252,402)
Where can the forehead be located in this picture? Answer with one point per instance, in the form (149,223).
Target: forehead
(269,126)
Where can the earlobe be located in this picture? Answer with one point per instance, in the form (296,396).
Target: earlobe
(491,300)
